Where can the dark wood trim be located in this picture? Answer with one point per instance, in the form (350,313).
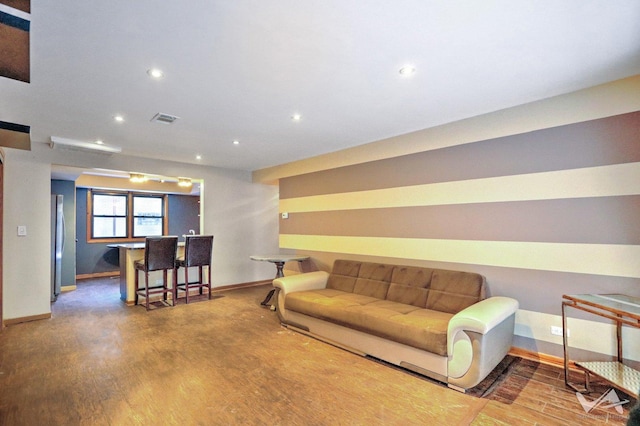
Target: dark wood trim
(165,214)
(555,361)
(14,321)
(241,285)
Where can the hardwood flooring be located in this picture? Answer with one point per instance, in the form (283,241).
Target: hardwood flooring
(228,361)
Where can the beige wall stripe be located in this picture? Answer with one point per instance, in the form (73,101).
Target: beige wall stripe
(598,259)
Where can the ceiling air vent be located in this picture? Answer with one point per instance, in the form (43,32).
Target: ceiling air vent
(164,118)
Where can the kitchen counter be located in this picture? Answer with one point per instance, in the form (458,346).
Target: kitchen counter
(128,254)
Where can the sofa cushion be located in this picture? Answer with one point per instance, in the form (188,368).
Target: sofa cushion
(452,291)
(420,328)
(326,304)
(343,276)
(373,280)
(410,285)
(407,324)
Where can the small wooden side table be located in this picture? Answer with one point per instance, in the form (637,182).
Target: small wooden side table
(623,310)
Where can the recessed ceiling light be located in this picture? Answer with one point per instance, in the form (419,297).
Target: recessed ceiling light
(118,118)
(236,142)
(296,117)
(155,73)
(198,157)
(99,142)
(407,70)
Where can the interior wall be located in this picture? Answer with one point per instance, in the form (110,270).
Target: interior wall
(242,216)
(27,265)
(540,214)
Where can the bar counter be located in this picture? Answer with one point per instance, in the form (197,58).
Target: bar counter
(128,253)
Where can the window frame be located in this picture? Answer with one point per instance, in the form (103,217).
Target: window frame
(129,216)
(162,214)
(93,215)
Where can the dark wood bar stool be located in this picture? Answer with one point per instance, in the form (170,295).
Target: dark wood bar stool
(159,255)
(197,253)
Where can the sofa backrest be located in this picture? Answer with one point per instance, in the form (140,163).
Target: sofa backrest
(452,291)
(343,275)
(437,289)
(373,280)
(410,285)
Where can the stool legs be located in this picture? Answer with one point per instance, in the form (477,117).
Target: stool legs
(200,284)
(186,284)
(146,289)
(165,286)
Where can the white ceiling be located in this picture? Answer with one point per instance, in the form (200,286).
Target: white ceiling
(238,69)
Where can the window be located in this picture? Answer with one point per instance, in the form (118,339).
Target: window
(118,216)
(109,217)
(147,216)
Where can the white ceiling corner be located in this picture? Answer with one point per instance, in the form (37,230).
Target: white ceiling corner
(238,70)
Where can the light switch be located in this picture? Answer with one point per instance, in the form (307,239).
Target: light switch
(285,215)
(22,231)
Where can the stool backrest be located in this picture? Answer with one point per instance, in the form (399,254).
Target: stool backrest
(160,253)
(198,249)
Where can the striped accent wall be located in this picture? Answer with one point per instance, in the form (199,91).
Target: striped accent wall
(540,214)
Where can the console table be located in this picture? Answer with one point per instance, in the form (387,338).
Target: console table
(623,310)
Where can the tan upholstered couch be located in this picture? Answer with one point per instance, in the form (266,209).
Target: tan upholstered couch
(434,322)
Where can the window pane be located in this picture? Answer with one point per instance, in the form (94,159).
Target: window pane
(105,227)
(147,226)
(147,206)
(110,205)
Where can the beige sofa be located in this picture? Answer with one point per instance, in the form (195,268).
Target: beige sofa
(435,322)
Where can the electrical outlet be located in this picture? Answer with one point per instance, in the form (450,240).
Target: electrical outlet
(285,215)
(557,331)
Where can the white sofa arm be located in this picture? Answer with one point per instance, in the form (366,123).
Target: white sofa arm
(481,317)
(301,282)
(478,338)
(307,281)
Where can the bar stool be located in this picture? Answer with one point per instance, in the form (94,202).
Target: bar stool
(197,253)
(159,255)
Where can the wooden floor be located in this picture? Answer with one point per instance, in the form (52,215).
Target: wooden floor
(228,361)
